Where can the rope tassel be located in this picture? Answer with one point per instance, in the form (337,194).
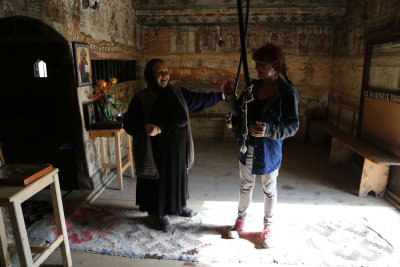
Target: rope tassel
(247,97)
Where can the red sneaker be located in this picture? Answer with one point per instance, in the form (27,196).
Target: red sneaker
(266,238)
(235,231)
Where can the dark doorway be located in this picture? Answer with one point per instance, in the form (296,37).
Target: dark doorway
(39,117)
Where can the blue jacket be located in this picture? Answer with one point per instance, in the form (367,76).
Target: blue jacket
(281,116)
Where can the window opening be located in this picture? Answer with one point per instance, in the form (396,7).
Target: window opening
(40,69)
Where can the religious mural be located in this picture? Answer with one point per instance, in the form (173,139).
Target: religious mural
(179,40)
(384,72)
(315,41)
(156,39)
(363,18)
(206,39)
(308,71)
(76,24)
(285,37)
(263,13)
(294,40)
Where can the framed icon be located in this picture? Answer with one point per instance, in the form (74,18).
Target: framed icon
(83,64)
(91,115)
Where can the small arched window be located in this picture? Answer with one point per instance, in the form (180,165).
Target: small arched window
(40,69)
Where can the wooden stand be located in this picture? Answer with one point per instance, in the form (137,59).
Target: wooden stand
(12,198)
(116,133)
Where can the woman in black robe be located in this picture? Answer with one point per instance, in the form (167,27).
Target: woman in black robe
(158,120)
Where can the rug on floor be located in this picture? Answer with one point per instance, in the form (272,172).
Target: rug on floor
(130,233)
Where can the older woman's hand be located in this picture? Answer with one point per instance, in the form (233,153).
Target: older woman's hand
(152,129)
(227,87)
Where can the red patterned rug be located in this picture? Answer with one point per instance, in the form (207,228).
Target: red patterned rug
(130,234)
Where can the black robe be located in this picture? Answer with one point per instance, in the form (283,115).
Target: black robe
(168,194)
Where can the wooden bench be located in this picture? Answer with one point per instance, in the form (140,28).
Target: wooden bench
(376,166)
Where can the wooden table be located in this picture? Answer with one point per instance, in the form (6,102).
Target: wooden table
(12,197)
(116,133)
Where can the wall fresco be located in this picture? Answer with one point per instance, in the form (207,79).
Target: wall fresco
(111,22)
(206,38)
(285,37)
(205,72)
(265,14)
(385,68)
(314,41)
(294,40)
(156,39)
(362,17)
(178,39)
(205,4)
(109,30)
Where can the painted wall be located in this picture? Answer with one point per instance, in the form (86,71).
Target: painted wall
(110,30)
(362,18)
(198,63)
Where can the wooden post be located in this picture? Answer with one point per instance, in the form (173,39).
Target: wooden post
(60,221)
(103,157)
(118,158)
(340,154)
(4,254)
(20,235)
(374,178)
(129,146)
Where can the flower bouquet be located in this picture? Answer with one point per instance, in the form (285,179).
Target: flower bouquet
(104,100)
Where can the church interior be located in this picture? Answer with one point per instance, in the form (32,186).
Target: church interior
(339,183)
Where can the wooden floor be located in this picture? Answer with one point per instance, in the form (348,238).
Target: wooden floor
(307,186)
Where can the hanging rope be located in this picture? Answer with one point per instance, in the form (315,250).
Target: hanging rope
(247,94)
(228,118)
(243,33)
(244,37)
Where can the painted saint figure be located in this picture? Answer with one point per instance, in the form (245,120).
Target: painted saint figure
(82,66)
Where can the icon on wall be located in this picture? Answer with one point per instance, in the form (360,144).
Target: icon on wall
(82,64)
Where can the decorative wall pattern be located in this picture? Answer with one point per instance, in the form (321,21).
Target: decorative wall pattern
(264,13)
(295,40)
(206,4)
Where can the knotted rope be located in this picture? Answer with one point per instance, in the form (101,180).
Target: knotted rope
(247,97)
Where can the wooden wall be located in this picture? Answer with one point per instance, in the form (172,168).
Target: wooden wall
(198,63)
(362,19)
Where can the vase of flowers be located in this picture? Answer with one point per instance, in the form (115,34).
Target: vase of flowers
(104,99)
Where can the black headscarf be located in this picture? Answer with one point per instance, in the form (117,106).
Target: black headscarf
(149,77)
(167,112)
